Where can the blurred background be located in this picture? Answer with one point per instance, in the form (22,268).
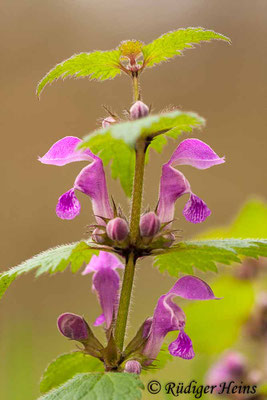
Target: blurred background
(225,84)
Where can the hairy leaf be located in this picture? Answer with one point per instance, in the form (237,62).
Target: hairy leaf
(121,156)
(204,254)
(250,222)
(51,261)
(156,144)
(100,65)
(173,43)
(99,386)
(172,124)
(66,367)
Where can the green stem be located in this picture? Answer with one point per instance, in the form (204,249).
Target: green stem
(125,298)
(137,190)
(136,94)
(128,278)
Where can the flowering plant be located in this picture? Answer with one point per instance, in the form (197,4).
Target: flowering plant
(117,241)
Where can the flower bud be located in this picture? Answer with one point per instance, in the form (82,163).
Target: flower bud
(73,326)
(117,229)
(139,110)
(235,363)
(98,236)
(133,367)
(108,121)
(231,367)
(149,224)
(169,238)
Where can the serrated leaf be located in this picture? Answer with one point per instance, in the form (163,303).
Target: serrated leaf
(121,157)
(66,367)
(250,222)
(204,254)
(50,261)
(156,144)
(97,386)
(172,124)
(172,44)
(100,65)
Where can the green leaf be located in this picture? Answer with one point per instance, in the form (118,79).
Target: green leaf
(172,124)
(97,386)
(100,65)
(51,261)
(156,144)
(215,325)
(121,156)
(172,44)
(66,367)
(115,144)
(204,254)
(250,222)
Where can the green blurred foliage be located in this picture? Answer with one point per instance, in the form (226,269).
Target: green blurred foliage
(251,222)
(215,325)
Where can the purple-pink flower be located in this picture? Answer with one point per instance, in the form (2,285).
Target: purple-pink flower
(168,317)
(232,366)
(73,326)
(173,183)
(91,180)
(106,284)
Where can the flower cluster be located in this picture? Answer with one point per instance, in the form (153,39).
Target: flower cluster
(168,316)
(112,227)
(111,234)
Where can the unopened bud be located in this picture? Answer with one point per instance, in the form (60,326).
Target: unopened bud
(98,236)
(235,363)
(149,224)
(231,367)
(133,367)
(108,121)
(169,238)
(117,229)
(73,326)
(139,110)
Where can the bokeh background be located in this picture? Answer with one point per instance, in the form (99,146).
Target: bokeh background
(225,84)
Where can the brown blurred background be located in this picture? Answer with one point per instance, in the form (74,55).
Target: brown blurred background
(225,84)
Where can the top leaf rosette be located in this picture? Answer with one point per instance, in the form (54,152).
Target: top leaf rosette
(131,57)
